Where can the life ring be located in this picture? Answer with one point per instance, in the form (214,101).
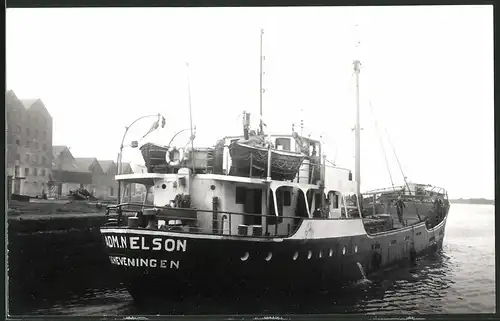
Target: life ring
(376,260)
(168,156)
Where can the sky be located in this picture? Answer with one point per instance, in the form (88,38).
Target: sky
(426,81)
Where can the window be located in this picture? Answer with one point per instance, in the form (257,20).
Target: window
(35,159)
(18,157)
(36,145)
(18,129)
(27,158)
(16,171)
(283,142)
(36,132)
(44,146)
(35,171)
(44,160)
(42,172)
(26,171)
(9,139)
(18,142)
(111,191)
(27,143)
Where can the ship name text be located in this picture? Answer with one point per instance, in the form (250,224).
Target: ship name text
(144,262)
(142,243)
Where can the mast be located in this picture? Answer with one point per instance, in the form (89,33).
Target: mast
(261,89)
(357,132)
(190,115)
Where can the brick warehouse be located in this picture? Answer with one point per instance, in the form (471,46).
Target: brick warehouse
(36,167)
(28,145)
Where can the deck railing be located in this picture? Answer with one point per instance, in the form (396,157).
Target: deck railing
(190,220)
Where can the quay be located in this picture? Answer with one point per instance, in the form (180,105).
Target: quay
(53,241)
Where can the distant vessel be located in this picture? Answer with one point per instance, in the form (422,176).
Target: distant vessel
(240,217)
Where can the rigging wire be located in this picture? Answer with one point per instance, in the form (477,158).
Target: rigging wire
(381,144)
(402,173)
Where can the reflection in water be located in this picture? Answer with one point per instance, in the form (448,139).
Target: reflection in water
(458,279)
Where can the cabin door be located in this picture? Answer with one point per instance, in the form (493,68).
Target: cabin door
(253,205)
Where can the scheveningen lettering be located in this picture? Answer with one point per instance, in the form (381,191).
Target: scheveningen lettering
(142,243)
(144,262)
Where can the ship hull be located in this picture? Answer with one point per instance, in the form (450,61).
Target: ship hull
(161,264)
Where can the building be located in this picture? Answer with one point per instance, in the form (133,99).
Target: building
(28,145)
(67,174)
(108,180)
(93,166)
(106,187)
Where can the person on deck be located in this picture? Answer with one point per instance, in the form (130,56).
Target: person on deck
(400,205)
(440,209)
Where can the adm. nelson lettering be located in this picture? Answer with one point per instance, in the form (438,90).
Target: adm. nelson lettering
(144,243)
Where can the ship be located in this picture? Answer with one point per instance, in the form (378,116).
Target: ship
(282,218)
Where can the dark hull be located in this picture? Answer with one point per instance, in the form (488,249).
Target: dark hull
(284,165)
(414,210)
(213,264)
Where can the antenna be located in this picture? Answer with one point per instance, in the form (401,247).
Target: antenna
(261,73)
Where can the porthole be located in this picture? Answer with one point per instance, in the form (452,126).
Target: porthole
(309,254)
(269,256)
(344,249)
(355,249)
(331,253)
(163,186)
(295,256)
(245,256)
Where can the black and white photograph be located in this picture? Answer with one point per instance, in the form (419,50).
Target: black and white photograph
(258,161)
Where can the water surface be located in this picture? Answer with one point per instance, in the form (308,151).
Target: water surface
(459,279)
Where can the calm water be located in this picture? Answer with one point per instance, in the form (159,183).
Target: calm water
(460,279)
